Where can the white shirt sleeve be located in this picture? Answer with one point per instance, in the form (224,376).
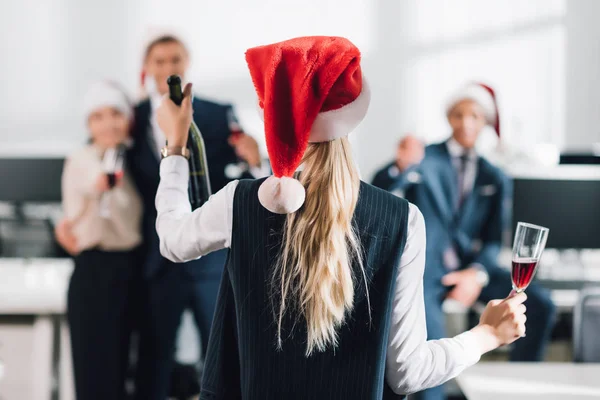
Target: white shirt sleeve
(412,362)
(185,235)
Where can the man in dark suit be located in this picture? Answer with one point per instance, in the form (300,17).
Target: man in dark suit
(169,288)
(465,202)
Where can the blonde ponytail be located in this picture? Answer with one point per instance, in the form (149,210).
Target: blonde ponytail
(314,270)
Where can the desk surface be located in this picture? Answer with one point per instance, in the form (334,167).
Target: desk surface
(531,381)
(34,286)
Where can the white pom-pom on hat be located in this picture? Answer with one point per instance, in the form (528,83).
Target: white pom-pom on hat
(281,195)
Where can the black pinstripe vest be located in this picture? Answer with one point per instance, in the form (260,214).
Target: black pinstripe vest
(242,361)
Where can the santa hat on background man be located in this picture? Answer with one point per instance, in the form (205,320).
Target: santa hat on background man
(310,90)
(106,94)
(151,36)
(483,95)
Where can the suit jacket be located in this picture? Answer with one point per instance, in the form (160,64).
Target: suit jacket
(475,229)
(144,163)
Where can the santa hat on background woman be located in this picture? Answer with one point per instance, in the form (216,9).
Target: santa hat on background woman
(310,90)
(483,95)
(106,94)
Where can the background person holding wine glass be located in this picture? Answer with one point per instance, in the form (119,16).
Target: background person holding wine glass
(164,291)
(465,201)
(104,212)
(168,289)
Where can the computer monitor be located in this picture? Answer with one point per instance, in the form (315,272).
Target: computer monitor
(565,199)
(35,180)
(579,159)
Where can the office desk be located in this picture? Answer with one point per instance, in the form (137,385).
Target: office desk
(34,341)
(531,381)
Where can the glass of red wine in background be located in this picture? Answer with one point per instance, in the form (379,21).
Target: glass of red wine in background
(234,171)
(112,165)
(530,241)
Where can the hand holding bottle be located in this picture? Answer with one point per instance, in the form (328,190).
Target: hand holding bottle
(174,120)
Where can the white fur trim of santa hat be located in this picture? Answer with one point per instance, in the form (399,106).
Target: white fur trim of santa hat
(335,124)
(479,95)
(106,94)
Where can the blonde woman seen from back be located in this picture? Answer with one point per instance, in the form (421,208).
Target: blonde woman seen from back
(322,295)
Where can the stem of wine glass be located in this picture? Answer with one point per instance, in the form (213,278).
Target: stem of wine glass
(515,289)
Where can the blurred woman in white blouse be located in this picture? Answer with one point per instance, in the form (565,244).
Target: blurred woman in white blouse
(103,211)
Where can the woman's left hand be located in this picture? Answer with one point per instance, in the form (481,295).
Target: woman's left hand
(174,120)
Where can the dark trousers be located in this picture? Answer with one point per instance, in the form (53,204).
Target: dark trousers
(98,316)
(167,295)
(540,320)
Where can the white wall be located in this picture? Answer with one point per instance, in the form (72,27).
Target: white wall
(62,45)
(583,74)
(53,49)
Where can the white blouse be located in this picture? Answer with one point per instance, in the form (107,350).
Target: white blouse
(413,363)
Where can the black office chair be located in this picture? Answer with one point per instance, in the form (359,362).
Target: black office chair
(586,323)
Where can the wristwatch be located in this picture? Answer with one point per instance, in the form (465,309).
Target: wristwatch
(175,151)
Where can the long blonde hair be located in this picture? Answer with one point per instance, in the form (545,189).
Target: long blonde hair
(314,270)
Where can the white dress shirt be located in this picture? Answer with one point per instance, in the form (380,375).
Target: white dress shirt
(157,134)
(412,362)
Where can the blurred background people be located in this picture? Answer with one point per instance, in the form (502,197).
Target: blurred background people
(104,211)
(465,201)
(164,291)
(167,289)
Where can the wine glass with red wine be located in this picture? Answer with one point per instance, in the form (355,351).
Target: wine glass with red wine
(112,164)
(530,241)
(235,170)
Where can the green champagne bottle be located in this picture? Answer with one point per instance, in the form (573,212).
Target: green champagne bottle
(199,187)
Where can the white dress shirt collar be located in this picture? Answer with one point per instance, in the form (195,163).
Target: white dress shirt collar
(456,150)
(158,136)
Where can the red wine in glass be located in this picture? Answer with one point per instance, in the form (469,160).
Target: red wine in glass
(529,243)
(235,134)
(235,129)
(112,164)
(236,169)
(523,270)
(114,178)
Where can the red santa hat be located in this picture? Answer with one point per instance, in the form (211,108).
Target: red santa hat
(483,95)
(310,90)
